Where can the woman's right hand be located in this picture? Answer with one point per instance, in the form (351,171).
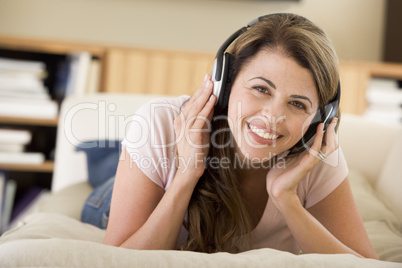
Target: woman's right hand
(192,128)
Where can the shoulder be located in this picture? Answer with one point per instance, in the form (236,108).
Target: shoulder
(154,119)
(167,106)
(151,140)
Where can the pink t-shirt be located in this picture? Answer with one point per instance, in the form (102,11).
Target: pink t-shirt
(150,142)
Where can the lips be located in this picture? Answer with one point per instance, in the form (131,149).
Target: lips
(262,134)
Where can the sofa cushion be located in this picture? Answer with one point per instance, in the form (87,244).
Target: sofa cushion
(370,205)
(386,240)
(54,240)
(68,201)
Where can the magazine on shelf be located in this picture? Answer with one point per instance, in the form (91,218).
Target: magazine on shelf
(78,75)
(30,108)
(21,82)
(3,181)
(8,202)
(36,68)
(12,147)
(15,136)
(7,93)
(22,90)
(79,64)
(92,85)
(22,158)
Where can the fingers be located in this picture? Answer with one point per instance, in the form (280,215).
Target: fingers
(318,140)
(331,138)
(206,113)
(201,104)
(325,142)
(200,98)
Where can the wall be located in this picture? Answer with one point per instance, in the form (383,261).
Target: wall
(355,27)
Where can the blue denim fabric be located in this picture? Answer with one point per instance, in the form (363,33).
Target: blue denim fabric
(102,160)
(97,206)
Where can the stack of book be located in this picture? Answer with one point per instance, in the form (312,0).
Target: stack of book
(384,99)
(22,90)
(78,75)
(12,148)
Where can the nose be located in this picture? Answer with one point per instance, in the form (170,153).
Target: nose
(273,112)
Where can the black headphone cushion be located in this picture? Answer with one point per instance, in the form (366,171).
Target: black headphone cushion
(228,81)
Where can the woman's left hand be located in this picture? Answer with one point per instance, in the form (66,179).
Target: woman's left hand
(282,180)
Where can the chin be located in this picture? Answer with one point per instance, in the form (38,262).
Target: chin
(255,155)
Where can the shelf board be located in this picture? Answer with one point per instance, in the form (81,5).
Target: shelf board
(29,121)
(47,166)
(49,46)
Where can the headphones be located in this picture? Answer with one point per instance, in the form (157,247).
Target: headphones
(222,78)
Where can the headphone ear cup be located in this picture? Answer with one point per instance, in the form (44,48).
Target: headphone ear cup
(227,81)
(307,140)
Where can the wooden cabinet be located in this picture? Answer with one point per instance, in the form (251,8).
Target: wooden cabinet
(155,71)
(355,76)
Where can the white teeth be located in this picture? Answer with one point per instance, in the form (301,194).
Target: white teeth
(262,133)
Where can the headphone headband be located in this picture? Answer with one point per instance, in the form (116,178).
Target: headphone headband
(219,59)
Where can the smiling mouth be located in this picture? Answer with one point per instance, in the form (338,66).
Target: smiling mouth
(263,133)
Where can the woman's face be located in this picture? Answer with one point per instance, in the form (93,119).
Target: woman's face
(271,105)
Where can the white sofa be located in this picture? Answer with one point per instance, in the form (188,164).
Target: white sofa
(54,236)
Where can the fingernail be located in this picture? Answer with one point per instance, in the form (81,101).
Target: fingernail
(208,84)
(206,77)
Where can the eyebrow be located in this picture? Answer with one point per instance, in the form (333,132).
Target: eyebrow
(274,87)
(266,81)
(302,97)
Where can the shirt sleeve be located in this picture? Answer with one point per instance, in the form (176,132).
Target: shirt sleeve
(324,178)
(151,140)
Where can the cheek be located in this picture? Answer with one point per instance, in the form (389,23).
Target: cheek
(234,108)
(299,126)
(237,113)
(234,118)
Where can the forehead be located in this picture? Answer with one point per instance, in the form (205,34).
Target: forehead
(283,71)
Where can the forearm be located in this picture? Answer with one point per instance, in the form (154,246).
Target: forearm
(161,229)
(310,234)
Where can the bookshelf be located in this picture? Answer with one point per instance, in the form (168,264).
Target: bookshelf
(48,165)
(42,129)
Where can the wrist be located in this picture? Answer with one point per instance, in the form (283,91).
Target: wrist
(191,167)
(287,202)
(187,178)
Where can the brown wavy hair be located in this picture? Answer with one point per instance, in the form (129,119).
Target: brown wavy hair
(218,219)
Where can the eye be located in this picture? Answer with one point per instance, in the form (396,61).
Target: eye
(262,89)
(299,105)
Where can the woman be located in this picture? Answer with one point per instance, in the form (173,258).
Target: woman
(226,179)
